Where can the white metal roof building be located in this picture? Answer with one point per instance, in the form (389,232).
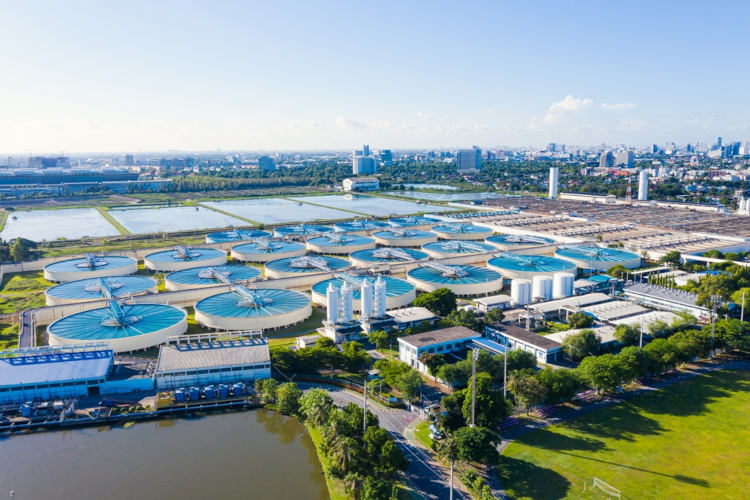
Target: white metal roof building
(647,319)
(408,317)
(412,347)
(554,307)
(668,299)
(615,309)
(605,333)
(212,358)
(485,304)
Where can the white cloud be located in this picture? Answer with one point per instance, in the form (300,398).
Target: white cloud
(618,106)
(348,123)
(568,105)
(304,124)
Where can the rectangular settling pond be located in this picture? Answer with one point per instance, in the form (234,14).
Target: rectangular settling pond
(371,205)
(277,210)
(50,225)
(154,220)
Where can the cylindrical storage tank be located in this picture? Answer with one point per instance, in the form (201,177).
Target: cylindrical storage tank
(90,289)
(514,266)
(208,392)
(143,326)
(520,291)
(195,394)
(301,230)
(236,235)
(541,288)
(179,395)
(399,237)
(461,280)
(359,226)
(399,293)
(339,244)
(562,285)
(299,266)
(386,255)
(267,250)
(414,222)
(512,242)
(202,277)
(91,266)
(269,308)
(223,391)
(440,249)
(455,231)
(184,258)
(597,258)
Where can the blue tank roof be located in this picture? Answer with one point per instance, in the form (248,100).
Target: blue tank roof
(461,229)
(89,289)
(408,234)
(196,255)
(341,240)
(595,253)
(416,220)
(236,235)
(235,273)
(272,302)
(393,286)
(459,247)
(82,264)
(519,239)
(531,263)
(285,265)
(274,247)
(369,255)
(93,325)
(359,225)
(473,275)
(301,230)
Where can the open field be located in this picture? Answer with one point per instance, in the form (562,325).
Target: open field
(21,291)
(688,440)
(8,335)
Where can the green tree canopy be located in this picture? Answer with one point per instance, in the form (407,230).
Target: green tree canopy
(440,302)
(288,398)
(580,320)
(581,344)
(627,334)
(490,406)
(476,444)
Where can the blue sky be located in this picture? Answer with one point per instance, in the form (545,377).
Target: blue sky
(146,76)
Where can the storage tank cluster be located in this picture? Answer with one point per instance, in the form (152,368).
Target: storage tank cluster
(527,266)
(182,257)
(91,289)
(541,288)
(265,250)
(90,266)
(206,276)
(457,231)
(597,258)
(562,285)
(220,391)
(461,280)
(236,235)
(339,244)
(399,293)
(520,291)
(340,299)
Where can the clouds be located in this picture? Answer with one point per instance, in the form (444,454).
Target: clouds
(619,106)
(567,106)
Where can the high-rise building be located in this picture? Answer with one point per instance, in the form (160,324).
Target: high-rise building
(718,143)
(266,163)
(364,164)
(606,160)
(366,150)
(469,160)
(643,185)
(624,158)
(129,160)
(554,178)
(386,157)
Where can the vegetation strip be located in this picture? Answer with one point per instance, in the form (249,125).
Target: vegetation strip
(361,214)
(229,214)
(103,211)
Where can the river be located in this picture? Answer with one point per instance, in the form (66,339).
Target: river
(256,454)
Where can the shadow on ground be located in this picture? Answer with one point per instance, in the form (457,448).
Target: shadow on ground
(623,423)
(524,479)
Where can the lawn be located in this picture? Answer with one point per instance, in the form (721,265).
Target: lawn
(8,336)
(21,291)
(422,433)
(689,440)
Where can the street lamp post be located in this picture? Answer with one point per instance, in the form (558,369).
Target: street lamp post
(474,356)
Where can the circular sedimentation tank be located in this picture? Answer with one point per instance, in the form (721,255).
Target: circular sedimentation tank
(307,264)
(414,222)
(134,327)
(597,258)
(236,235)
(202,277)
(339,244)
(455,248)
(456,231)
(386,255)
(461,280)
(360,226)
(514,266)
(301,230)
(184,258)
(91,289)
(515,241)
(90,266)
(264,250)
(403,237)
(398,292)
(261,309)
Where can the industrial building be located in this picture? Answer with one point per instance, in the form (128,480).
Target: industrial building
(236,235)
(91,289)
(486,304)
(461,280)
(339,244)
(183,258)
(90,266)
(403,237)
(560,308)
(412,317)
(513,337)
(447,340)
(361,184)
(299,266)
(202,277)
(399,293)
(668,299)
(265,250)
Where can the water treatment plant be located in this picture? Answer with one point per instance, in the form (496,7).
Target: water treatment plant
(207,276)
(90,266)
(399,293)
(460,279)
(236,235)
(121,287)
(181,257)
(404,237)
(265,250)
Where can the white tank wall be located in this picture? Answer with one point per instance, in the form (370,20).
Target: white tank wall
(58,301)
(405,242)
(264,323)
(339,249)
(179,265)
(463,236)
(464,290)
(304,278)
(526,275)
(265,257)
(65,276)
(541,287)
(562,285)
(598,265)
(520,292)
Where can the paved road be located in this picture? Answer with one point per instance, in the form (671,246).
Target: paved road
(427,478)
(25,330)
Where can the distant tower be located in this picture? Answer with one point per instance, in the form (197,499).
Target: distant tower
(629,191)
(380,298)
(643,185)
(554,177)
(332,304)
(366,299)
(346,304)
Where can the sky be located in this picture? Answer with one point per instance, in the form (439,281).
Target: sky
(87,76)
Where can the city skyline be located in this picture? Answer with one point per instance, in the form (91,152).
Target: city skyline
(193,77)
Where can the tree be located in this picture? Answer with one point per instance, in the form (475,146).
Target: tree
(409,384)
(662,355)
(581,344)
(476,444)
(375,488)
(391,458)
(18,250)
(672,257)
(440,302)
(495,315)
(433,362)
(287,398)
(605,372)
(635,362)
(527,390)
(380,338)
(627,334)
(456,374)
(267,389)
(315,406)
(490,406)
(580,320)
(453,417)
(464,317)
(560,385)
(355,356)
(732,333)
(520,360)
(618,271)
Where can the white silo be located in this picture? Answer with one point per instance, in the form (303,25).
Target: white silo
(379,304)
(332,304)
(347,304)
(562,285)
(520,292)
(366,299)
(643,185)
(541,288)
(554,177)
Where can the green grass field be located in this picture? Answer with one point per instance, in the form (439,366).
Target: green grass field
(689,440)
(8,336)
(21,291)
(422,433)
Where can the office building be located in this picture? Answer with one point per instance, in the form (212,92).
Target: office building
(469,160)
(364,164)
(624,159)
(386,157)
(266,163)
(412,348)
(361,184)
(606,160)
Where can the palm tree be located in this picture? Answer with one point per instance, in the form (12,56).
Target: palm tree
(343,453)
(353,483)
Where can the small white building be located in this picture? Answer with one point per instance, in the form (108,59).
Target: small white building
(307,341)
(667,299)
(361,184)
(512,337)
(410,317)
(412,347)
(486,304)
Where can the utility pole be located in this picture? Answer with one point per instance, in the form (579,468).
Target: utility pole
(742,309)
(640,342)
(364,414)
(713,324)
(505,372)
(474,356)
(451,488)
